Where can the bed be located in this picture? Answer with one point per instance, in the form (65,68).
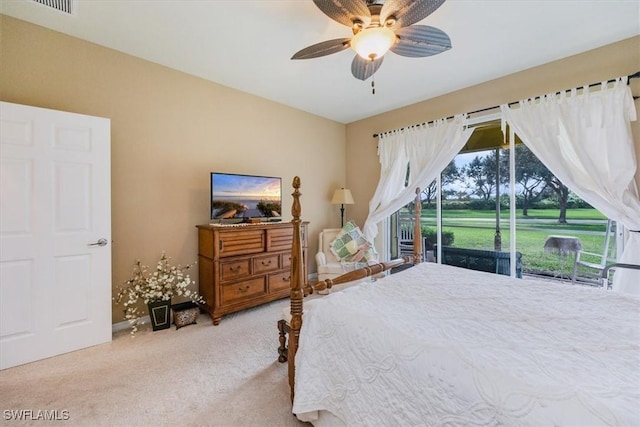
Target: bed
(441,345)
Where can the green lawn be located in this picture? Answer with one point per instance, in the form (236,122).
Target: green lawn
(504,214)
(472,230)
(521,225)
(530,244)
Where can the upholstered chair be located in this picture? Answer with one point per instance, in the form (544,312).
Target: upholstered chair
(328,265)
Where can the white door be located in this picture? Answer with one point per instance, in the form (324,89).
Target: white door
(55,206)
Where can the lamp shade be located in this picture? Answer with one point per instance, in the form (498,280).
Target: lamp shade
(342,196)
(372,43)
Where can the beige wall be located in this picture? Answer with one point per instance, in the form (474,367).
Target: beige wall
(168,131)
(619,59)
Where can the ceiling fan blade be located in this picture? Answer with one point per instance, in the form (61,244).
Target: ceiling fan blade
(362,68)
(408,12)
(322,49)
(420,40)
(345,11)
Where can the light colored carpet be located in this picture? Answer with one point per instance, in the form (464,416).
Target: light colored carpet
(199,375)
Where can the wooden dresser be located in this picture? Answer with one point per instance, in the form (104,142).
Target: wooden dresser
(245,265)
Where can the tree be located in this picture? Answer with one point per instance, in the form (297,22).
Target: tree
(562,192)
(536,182)
(429,194)
(482,173)
(449,175)
(529,170)
(531,175)
(461,195)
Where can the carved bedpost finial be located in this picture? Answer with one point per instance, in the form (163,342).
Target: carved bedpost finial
(296,210)
(417,229)
(297,282)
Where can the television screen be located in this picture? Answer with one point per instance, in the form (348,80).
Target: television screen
(245,196)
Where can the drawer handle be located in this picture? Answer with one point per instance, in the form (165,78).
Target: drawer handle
(243,288)
(266,263)
(234,269)
(286,279)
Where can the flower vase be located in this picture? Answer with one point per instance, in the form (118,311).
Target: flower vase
(159,313)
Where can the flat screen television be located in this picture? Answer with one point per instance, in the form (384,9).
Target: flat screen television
(236,197)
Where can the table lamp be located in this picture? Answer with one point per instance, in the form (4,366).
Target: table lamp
(342,196)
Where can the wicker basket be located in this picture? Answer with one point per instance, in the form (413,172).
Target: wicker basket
(185,313)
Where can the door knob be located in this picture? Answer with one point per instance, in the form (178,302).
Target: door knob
(100,242)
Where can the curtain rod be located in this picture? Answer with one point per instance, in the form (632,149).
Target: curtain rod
(632,76)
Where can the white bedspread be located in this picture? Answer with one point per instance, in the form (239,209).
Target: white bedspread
(439,345)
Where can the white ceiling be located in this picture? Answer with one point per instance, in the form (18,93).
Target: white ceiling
(247,45)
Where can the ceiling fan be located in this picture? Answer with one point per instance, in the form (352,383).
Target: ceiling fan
(379,26)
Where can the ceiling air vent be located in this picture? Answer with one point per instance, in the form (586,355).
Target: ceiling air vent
(64,6)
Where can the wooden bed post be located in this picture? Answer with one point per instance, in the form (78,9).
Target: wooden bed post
(417,229)
(297,283)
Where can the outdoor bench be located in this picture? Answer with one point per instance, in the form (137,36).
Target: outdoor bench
(482,260)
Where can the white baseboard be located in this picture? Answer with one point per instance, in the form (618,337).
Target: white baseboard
(121,326)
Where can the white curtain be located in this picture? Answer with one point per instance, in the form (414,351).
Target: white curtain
(427,149)
(585,140)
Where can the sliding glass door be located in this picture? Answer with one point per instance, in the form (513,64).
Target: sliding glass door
(496,189)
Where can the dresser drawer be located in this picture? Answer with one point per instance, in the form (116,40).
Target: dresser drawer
(241,242)
(279,239)
(279,281)
(286,260)
(240,291)
(265,264)
(235,269)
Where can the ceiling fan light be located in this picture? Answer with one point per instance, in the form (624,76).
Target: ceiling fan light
(372,43)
